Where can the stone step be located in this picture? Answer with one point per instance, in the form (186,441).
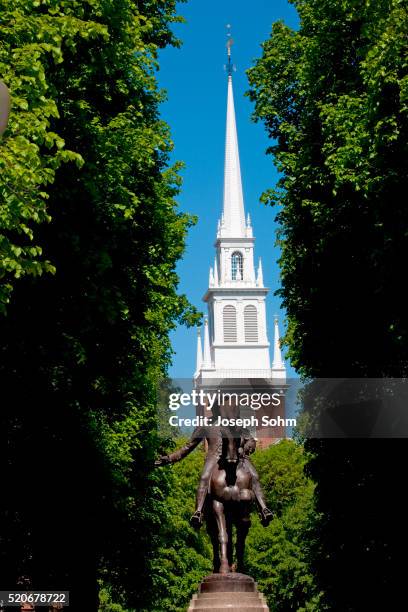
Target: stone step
(229,600)
(217,602)
(227,583)
(215,607)
(228,593)
(233,595)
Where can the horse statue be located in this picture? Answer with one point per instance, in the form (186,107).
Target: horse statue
(228,505)
(228,486)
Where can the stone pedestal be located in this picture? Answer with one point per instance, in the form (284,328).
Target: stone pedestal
(222,592)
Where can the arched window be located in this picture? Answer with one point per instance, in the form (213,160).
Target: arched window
(229,315)
(251,323)
(237,266)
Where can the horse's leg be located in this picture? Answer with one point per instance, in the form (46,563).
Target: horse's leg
(243,524)
(210,463)
(222,535)
(230,548)
(213,533)
(265,514)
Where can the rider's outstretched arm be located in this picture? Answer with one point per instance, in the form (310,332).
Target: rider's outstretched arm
(185,450)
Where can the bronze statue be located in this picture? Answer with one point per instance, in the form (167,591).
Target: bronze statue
(228,485)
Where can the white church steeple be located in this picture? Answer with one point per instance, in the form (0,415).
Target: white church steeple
(235,333)
(233,209)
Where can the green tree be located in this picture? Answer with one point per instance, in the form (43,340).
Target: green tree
(184,556)
(279,557)
(85,179)
(31,152)
(333,97)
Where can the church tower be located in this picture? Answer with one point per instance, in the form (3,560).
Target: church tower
(236,344)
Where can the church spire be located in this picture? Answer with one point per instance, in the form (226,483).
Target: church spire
(233,210)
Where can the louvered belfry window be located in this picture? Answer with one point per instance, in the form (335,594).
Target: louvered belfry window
(251,323)
(230,324)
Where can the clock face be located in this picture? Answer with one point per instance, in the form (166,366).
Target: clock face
(4,107)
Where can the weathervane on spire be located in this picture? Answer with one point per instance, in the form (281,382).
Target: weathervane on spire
(230,66)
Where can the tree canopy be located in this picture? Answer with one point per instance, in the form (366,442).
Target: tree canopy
(90,236)
(279,557)
(333,98)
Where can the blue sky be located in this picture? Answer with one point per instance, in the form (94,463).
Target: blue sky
(196,85)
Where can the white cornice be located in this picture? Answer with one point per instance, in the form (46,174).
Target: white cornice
(239,345)
(238,291)
(231,240)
